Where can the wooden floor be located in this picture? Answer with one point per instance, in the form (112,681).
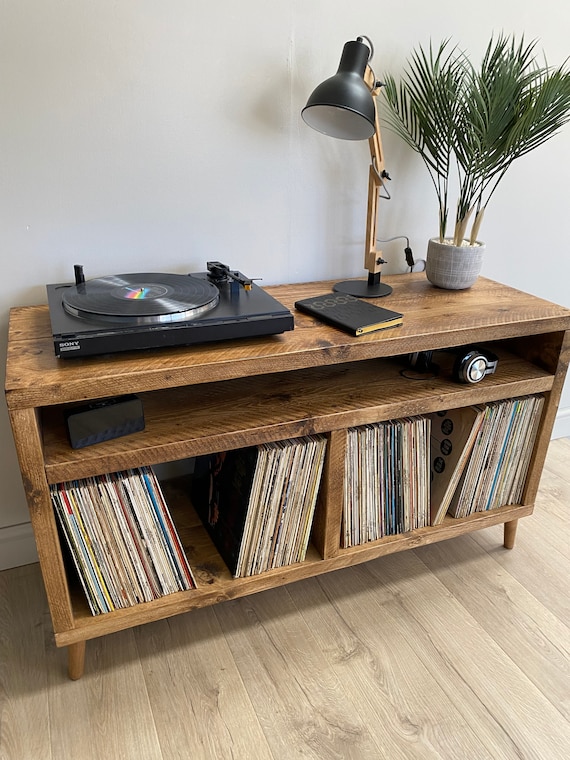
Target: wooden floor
(457,650)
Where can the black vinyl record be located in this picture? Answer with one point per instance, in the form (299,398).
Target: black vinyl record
(141,298)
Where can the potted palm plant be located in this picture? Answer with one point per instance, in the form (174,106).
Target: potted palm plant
(468,125)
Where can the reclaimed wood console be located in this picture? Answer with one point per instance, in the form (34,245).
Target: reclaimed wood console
(219,396)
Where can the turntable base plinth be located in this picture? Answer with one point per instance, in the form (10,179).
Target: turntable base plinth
(129,312)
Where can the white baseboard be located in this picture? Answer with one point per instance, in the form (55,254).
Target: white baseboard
(17,546)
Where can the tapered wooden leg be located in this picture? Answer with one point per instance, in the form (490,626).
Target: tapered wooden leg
(75,660)
(510,534)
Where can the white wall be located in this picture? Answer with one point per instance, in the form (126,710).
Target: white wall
(142,135)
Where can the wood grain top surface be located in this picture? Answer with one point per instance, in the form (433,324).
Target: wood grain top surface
(433,318)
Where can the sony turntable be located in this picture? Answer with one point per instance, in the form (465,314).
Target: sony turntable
(153,310)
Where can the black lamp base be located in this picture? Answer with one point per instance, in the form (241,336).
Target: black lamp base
(363,289)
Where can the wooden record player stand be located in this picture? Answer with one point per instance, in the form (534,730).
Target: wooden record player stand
(214,397)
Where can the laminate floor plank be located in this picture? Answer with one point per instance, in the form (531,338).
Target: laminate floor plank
(558,457)
(196,689)
(303,706)
(456,638)
(361,634)
(24,697)
(107,713)
(543,571)
(553,501)
(534,638)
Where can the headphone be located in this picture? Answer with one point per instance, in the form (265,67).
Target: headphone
(471,364)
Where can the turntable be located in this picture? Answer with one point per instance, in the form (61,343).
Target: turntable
(152,310)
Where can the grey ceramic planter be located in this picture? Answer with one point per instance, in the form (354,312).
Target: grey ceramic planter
(453,267)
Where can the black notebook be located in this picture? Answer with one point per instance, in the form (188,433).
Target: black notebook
(349,313)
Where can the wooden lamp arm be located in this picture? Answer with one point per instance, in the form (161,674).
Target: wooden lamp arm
(372,257)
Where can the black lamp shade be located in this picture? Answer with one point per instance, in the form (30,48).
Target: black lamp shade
(342,106)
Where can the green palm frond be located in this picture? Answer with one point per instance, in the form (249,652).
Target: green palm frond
(476,120)
(423,109)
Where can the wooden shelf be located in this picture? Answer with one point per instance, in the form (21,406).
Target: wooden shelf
(187,422)
(229,395)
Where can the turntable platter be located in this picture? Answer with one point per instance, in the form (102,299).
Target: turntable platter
(137,299)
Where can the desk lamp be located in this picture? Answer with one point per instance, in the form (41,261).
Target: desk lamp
(344,106)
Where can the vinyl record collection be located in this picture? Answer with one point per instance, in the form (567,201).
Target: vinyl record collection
(258,503)
(121,538)
(386,480)
(496,471)
(407,474)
